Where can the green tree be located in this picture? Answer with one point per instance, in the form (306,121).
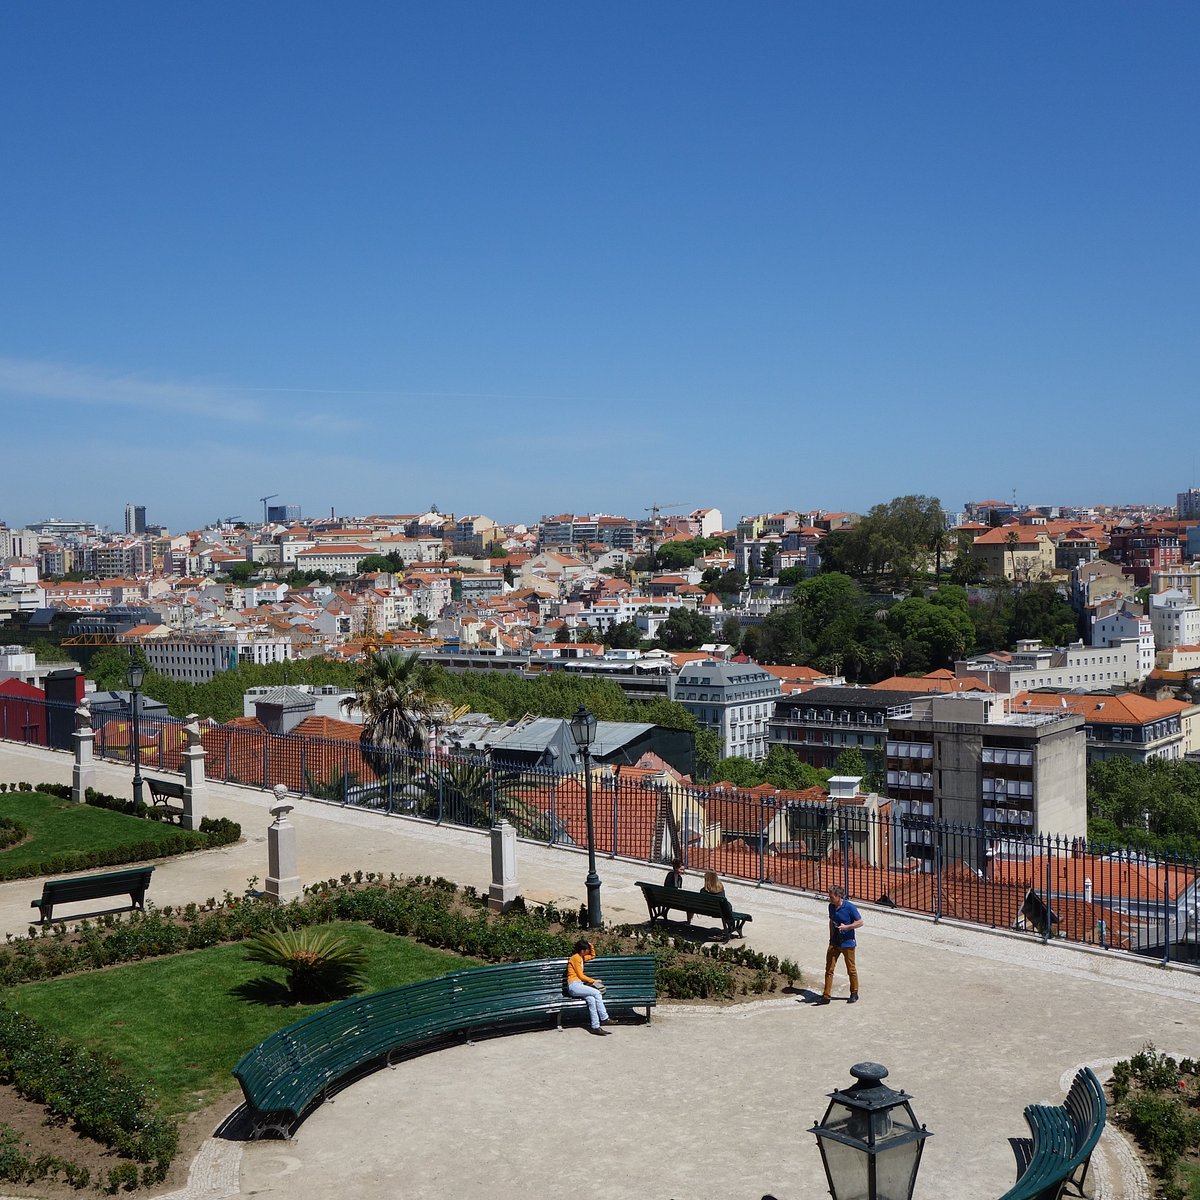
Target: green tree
(243,572)
(684,629)
(741,772)
(675,556)
(45,651)
(393,693)
(790,576)
(625,635)
(731,632)
(390,564)
(783,769)
(891,544)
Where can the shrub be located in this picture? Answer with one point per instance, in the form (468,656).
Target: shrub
(76,1085)
(319,965)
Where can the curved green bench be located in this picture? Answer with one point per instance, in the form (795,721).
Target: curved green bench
(1064,1136)
(295,1068)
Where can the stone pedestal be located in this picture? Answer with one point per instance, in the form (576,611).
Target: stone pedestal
(503,891)
(283,873)
(83,774)
(195,786)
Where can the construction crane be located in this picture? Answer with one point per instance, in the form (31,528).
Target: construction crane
(263,501)
(654,510)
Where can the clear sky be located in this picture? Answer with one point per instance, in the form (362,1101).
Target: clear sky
(526,258)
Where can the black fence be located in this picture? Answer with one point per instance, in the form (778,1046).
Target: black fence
(1054,887)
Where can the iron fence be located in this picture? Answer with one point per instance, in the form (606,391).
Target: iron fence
(1055,887)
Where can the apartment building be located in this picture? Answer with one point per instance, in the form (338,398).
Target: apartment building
(734,700)
(197,657)
(1126,725)
(979,759)
(817,725)
(1033,666)
(1175,619)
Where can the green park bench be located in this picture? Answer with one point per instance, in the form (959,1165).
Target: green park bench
(163,791)
(298,1066)
(660,900)
(1064,1136)
(132,883)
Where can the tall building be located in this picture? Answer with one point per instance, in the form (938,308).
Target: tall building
(1187,504)
(976,759)
(135,518)
(282,514)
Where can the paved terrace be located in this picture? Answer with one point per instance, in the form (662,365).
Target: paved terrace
(703,1102)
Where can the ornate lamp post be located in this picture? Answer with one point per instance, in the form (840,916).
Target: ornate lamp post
(583,731)
(135,677)
(869,1139)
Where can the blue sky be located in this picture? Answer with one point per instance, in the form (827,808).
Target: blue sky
(526,258)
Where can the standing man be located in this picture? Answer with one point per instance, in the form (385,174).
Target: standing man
(844,919)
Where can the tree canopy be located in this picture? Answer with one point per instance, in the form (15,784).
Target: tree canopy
(892,544)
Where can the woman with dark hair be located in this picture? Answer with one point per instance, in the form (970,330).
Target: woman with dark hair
(674,875)
(582,985)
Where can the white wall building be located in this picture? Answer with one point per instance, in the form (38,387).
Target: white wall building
(1175,619)
(735,700)
(1076,666)
(1125,626)
(197,657)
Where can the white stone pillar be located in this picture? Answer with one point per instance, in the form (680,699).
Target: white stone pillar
(283,873)
(83,774)
(195,786)
(503,891)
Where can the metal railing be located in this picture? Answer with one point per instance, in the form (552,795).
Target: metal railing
(1053,886)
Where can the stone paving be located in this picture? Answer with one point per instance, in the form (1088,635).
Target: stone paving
(702,1102)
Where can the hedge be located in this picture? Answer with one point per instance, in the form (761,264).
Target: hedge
(212,833)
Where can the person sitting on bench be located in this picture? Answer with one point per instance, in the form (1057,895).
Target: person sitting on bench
(674,875)
(584,987)
(712,884)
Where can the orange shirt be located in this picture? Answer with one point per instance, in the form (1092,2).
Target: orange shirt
(575,972)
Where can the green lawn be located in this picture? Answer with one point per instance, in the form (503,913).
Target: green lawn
(62,826)
(180,1023)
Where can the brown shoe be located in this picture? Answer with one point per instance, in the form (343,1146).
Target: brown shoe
(824,1000)
(599,1032)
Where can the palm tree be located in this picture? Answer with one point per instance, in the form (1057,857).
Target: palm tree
(392,691)
(474,790)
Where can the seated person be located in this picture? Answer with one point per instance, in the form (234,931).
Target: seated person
(590,990)
(674,875)
(712,884)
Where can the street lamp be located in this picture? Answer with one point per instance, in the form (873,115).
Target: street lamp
(869,1139)
(135,678)
(583,731)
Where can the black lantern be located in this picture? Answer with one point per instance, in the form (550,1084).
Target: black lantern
(583,732)
(869,1139)
(135,678)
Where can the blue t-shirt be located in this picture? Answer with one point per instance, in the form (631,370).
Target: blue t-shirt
(843,914)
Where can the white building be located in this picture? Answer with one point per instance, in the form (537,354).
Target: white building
(1175,619)
(1125,626)
(735,700)
(197,657)
(1075,666)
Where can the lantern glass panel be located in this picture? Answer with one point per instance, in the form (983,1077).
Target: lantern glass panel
(895,1167)
(847,1166)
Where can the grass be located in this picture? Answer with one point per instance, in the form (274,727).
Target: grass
(182,1022)
(61,826)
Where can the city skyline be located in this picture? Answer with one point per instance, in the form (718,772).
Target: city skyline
(523,260)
